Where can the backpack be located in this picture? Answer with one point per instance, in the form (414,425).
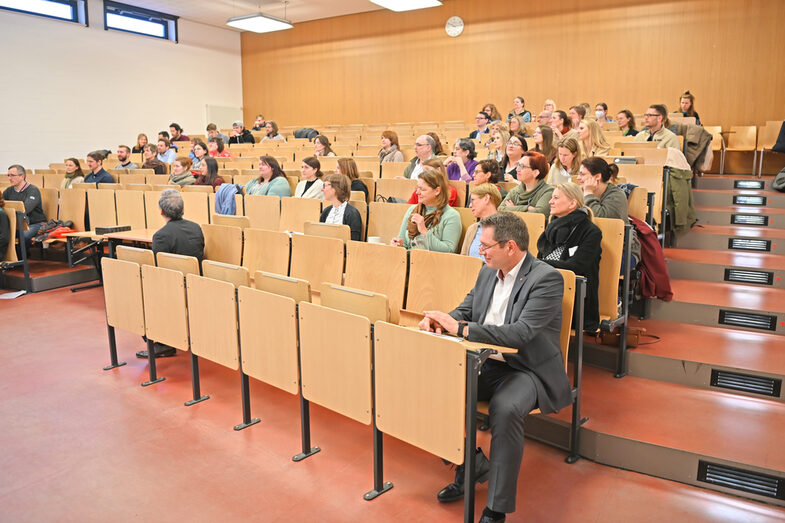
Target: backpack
(306,132)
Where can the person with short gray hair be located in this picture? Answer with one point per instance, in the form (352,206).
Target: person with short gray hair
(515,302)
(178,236)
(424,146)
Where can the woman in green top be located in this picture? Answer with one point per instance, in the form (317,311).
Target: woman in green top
(271,181)
(73,174)
(533,194)
(431,224)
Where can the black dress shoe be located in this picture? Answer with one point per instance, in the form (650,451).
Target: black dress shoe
(490,519)
(454,491)
(161,351)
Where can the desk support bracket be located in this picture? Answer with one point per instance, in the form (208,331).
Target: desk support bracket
(305,405)
(112,350)
(379,485)
(197,392)
(153,371)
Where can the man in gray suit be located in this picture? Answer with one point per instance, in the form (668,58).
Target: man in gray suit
(516,302)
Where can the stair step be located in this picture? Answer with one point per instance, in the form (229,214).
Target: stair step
(735,238)
(672,431)
(688,354)
(744,307)
(741,215)
(730,182)
(734,267)
(741,198)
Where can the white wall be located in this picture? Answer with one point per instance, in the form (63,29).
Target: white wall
(69,89)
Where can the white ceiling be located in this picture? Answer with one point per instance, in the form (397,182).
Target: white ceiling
(216,12)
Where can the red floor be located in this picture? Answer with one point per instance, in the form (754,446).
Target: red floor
(81,444)
(755,260)
(761,299)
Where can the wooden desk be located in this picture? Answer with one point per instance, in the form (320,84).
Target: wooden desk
(134,235)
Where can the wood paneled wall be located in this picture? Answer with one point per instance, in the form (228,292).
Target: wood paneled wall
(396,67)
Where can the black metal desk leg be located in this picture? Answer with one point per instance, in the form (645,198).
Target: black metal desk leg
(472,372)
(151,359)
(195,382)
(245,386)
(112,350)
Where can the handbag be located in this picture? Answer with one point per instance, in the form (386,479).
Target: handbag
(634,337)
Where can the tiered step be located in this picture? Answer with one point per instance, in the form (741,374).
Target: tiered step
(736,238)
(731,266)
(741,197)
(734,182)
(741,215)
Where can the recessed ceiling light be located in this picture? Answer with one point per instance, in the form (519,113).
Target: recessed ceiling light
(406,5)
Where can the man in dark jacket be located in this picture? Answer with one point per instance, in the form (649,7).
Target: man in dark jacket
(240,134)
(516,302)
(22,191)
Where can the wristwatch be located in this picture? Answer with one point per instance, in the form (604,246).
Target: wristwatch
(461,327)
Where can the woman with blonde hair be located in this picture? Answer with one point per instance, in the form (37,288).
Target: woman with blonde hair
(568,161)
(390,148)
(549,105)
(544,142)
(592,138)
(485,198)
(497,145)
(571,241)
(431,224)
(141,141)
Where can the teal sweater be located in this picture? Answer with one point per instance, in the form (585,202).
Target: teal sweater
(276,187)
(445,237)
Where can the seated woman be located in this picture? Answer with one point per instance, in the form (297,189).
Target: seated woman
(181,172)
(336,192)
(141,141)
(498,126)
(321,146)
(487,171)
(594,142)
(687,103)
(310,184)
(151,161)
(431,224)
(485,199)
(271,181)
(272,132)
(518,128)
(348,167)
(208,170)
(73,174)
(390,148)
(513,153)
(571,241)
(560,124)
(567,162)
(492,111)
(199,152)
(601,113)
(215,148)
(438,150)
(518,109)
(497,145)
(436,165)
(532,194)
(549,105)
(460,166)
(543,139)
(626,122)
(604,198)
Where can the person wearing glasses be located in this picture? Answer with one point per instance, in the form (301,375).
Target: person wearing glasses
(22,191)
(656,128)
(492,111)
(485,199)
(336,192)
(460,166)
(515,302)
(424,147)
(533,193)
(516,147)
(487,171)
(571,241)
(482,119)
(431,224)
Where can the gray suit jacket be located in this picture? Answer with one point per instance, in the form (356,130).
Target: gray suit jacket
(531,324)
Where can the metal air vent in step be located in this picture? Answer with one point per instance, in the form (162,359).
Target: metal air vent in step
(749,200)
(749,244)
(749,219)
(739,479)
(748,319)
(747,276)
(746,383)
(748,184)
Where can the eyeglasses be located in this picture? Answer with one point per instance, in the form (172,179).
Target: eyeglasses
(652,115)
(485,248)
(14,175)
(420,144)
(514,142)
(480,118)
(522,166)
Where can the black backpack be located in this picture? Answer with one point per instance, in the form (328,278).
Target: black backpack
(306,132)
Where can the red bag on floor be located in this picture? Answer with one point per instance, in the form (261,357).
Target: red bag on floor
(655,282)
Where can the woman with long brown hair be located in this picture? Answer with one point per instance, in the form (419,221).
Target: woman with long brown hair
(431,224)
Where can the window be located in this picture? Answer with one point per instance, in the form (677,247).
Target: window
(122,17)
(68,10)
